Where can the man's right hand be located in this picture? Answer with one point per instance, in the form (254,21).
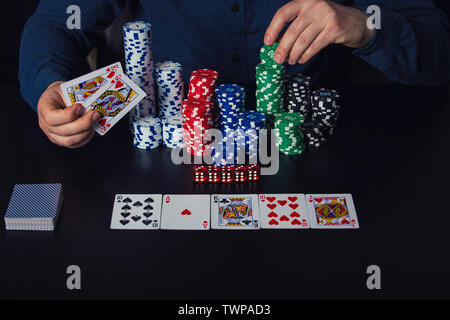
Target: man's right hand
(66,127)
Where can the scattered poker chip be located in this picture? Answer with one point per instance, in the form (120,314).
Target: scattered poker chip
(169,80)
(139,65)
(147,132)
(289,137)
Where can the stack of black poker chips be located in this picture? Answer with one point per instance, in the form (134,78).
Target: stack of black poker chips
(297,94)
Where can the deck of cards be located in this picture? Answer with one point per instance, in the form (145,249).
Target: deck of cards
(233,211)
(107,90)
(34,207)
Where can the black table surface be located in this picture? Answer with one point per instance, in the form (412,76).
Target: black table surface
(391,150)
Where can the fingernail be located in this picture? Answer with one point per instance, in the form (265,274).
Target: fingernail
(267,39)
(95,116)
(277,58)
(79,110)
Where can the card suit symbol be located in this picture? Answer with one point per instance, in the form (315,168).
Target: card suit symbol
(296,222)
(295,214)
(148,214)
(282,202)
(272,215)
(167,199)
(149,200)
(271,199)
(108,125)
(126,207)
(186,212)
(137,204)
(124,221)
(136,218)
(146,222)
(118,84)
(345,221)
(148,207)
(127,200)
(304,223)
(246,221)
(205,224)
(271,206)
(111,74)
(293,206)
(292,199)
(224,201)
(109,69)
(273,222)
(124,214)
(284,218)
(102,122)
(318,200)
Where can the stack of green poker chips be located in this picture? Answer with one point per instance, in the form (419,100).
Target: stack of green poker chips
(269,82)
(289,137)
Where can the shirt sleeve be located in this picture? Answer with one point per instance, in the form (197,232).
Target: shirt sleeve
(413,44)
(51,52)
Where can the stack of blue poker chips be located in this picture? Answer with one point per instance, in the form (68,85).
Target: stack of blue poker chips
(147,132)
(249,124)
(231,101)
(139,64)
(224,154)
(169,80)
(173,132)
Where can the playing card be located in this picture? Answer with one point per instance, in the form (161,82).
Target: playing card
(113,101)
(136,211)
(185,212)
(82,88)
(283,211)
(235,211)
(331,211)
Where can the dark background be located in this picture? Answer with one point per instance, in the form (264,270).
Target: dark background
(16,13)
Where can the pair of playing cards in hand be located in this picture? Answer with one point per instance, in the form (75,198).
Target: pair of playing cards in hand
(34,207)
(234,211)
(107,90)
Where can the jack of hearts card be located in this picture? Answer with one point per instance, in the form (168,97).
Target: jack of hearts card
(235,211)
(331,211)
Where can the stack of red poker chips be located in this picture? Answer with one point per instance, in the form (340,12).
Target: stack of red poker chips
(202,84)
(253,172)
(198,110)
(240,173)
(200,173)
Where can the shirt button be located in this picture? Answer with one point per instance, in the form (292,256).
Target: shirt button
(235,58)
(235,7)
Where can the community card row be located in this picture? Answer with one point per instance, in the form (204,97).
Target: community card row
(233,211)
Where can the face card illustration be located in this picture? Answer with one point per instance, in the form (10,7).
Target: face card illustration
(136,212)
(235,211)
(113,101)
(331,211)
(186,212)
(82,88)
(283,211)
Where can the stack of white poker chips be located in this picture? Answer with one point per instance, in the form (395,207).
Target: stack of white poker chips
(173,132)
(139,65)
(147,132)
(169,79)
